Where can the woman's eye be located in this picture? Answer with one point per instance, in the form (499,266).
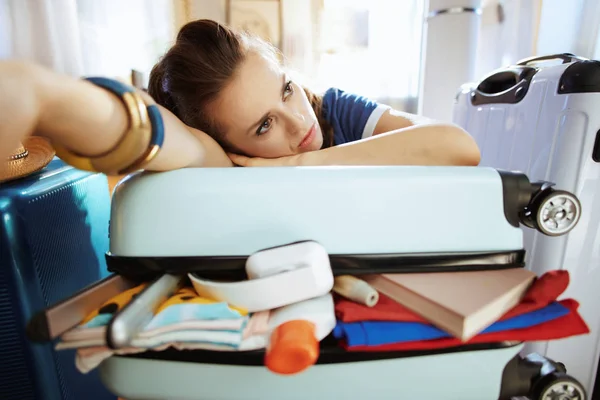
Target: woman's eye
(289,89)
(265,126)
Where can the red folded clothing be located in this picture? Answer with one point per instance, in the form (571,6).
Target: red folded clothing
(570,325)
(542,292)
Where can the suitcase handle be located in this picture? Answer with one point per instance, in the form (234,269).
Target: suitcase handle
(507,86)
(565,57)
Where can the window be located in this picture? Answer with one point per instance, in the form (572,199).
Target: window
(371,48)
(118,36)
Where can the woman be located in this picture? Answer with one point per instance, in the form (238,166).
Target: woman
(224,99)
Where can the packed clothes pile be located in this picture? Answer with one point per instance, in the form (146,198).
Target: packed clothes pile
(187,321)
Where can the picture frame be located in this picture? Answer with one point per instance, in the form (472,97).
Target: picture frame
(260,17)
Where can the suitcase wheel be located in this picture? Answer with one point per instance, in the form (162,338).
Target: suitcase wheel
(555,212)
(552,212)
(557,386)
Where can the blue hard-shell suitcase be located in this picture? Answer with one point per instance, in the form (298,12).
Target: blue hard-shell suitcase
(53,236)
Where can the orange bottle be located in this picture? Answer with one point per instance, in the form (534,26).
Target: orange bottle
(293,347)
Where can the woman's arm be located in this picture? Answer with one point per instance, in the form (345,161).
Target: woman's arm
(87,119)
(397,140)
(392,120)
(403,138)
(427,144)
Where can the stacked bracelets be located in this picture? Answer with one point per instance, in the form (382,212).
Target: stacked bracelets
(138,146)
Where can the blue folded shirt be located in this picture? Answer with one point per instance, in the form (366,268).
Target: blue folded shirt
(375,333)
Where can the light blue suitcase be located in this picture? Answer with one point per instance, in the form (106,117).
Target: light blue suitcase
(370,220)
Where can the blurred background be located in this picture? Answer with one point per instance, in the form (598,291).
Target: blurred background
(411,54)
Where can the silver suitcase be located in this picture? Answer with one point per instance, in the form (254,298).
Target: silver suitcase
(541,116)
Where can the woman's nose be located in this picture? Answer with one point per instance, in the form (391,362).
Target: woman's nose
(295,122)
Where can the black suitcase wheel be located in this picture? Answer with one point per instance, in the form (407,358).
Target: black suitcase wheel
(556,212)
(557,386)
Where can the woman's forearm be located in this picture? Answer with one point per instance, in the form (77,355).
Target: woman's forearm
(87,119)
(430,144)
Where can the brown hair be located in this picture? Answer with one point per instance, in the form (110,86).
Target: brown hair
(205,56)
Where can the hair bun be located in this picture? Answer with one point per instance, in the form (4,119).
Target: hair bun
(158,88)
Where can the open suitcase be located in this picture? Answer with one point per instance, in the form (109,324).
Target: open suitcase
(541,116)
(207,222)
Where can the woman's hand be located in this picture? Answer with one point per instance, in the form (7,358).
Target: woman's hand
(287,161)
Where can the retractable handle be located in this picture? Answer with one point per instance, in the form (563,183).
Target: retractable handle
(565,57)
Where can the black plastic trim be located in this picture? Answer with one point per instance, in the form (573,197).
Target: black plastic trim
(596,149)
(331,353)
(38,328)
(517,191)
(506,86)
(595,395)
(233,268)
(518,377)
(580,77)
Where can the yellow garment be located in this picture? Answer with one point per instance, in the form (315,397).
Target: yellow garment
(115,303)
(189,295)
(182,296)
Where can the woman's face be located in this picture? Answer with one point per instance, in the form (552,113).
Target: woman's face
(264,114)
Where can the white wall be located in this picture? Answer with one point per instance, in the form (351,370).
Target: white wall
(507,33)
(536,27)
(559,26)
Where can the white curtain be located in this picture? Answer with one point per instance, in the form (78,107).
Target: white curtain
(118,36)
(45,31)
(87,37)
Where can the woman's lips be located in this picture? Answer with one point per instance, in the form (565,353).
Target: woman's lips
(310,136)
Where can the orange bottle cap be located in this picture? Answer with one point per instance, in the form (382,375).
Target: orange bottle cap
(293,347)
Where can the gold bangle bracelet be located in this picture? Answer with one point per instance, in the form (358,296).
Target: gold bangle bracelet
(134,142)
(157,132)
(138,145)
(131,145)
(73,159)
(140,163)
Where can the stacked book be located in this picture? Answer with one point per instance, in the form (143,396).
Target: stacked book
(420,311)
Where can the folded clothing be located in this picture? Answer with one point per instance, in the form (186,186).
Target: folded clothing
(232,339)
(374,333)
(568,325)
(96,334)
(543,291)
(186,321)
(184,305)
(184,317)
(253,338)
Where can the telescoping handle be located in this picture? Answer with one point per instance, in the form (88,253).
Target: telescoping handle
(565,57)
